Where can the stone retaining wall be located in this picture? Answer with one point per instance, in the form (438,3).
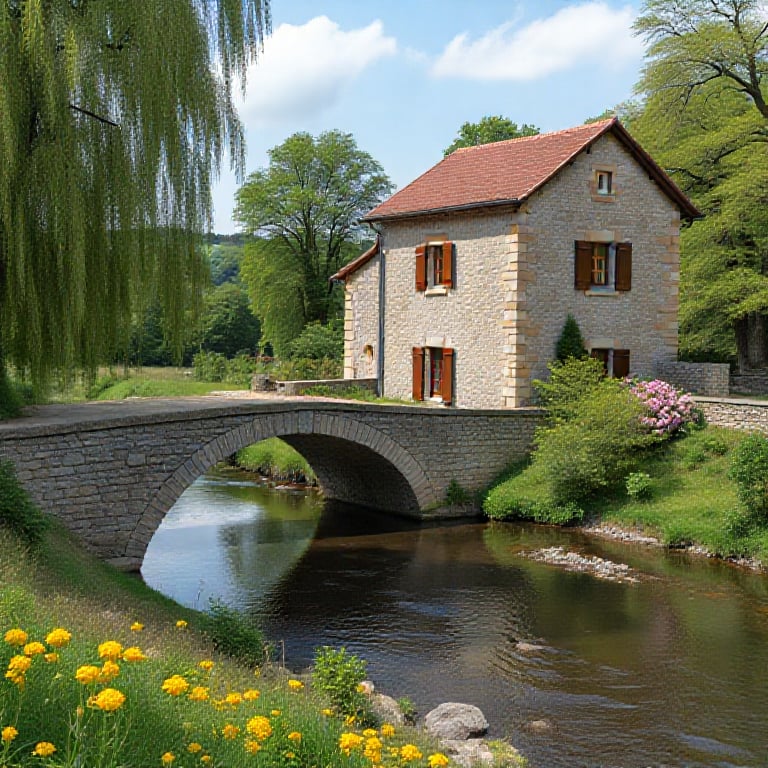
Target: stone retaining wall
(293,388)
(706,379)
(752,383)
(750,415)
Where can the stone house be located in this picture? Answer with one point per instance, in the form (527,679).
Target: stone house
(479,261)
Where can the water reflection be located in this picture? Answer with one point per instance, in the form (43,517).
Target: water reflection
(670,671)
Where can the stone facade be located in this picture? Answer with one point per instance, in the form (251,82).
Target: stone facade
(110,471)
(514,284)
(361,323)
(750,415)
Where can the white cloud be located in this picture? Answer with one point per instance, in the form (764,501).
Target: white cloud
(304,69)
(591,32)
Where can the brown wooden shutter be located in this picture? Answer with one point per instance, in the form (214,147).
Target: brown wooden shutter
(446,380)
(623,266)
(421,267)
(620,363)
(418,373)
(448,264)
(583,260)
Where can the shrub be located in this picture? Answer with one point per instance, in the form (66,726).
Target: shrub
(209,366)
(568,383)
(234,634)
(638,486)
(318,341)
(338,675)
(596,448)
(18,512)
(749,470)
(571,342)
(456,494)
(669,409)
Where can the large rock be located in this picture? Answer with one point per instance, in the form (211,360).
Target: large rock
(468,753)
(453,721)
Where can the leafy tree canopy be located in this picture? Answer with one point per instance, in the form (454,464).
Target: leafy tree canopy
(229,325)
(488,130)
(113,117)
(304,211)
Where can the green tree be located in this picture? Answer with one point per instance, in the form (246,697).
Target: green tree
(488,130)
(225,263)
(114,116)
(303,211)
(228,324)
(704,119)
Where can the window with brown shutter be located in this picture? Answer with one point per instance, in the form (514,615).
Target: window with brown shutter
(623,266)
(418,373)
(446,383)
(434,265)
(583,280)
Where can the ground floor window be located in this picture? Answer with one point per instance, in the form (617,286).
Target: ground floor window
(615,361)
(433,374)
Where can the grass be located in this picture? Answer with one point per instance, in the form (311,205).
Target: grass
(239,715)
(276,459)
(692,500)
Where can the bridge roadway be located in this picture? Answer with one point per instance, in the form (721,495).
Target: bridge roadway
(111,470)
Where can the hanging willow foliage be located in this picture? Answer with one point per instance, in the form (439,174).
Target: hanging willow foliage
(114,118)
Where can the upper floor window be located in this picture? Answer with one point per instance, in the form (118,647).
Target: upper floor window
(603,266)
(604,183)
(434,265)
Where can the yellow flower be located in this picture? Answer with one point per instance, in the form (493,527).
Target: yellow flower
(410,752)
(137,626)
(108,700)
(16,636)
(372,749)
(295,685)
(19,664)
(294,736)
(369,733)
(276,712)
(175,685)
(349,741)
(34,648)
(252,746)
(58,637)
(194,747)
(260,727)
(350,720)
(387,730)
(43,749)
(198,693)
(111,650)
(133,654)
(8,734)
(327,712)
(109,671)
(230,731)
(51,658)
(206,664)
(234,698)
(167,758)
(206,759)
(251,694)
(181,624)
(290,755)
(87,674)
(437,760)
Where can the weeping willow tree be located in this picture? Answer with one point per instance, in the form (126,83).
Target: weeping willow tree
(114,118)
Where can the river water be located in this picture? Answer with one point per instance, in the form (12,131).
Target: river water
(670,671)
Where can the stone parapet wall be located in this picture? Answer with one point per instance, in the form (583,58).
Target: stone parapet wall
(293,388)
(751,415)
(752,383)
(707,379)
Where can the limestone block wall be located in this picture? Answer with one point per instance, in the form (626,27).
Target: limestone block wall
(643,319)
(709,379)
(361,322)
(751,415)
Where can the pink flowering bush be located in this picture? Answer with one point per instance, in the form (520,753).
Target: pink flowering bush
(668,409)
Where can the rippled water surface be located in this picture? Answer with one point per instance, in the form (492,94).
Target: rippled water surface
(672,671)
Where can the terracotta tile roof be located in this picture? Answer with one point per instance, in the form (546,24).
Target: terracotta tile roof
(356,263)
(507,172)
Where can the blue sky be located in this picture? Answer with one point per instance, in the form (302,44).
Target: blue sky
(402,76)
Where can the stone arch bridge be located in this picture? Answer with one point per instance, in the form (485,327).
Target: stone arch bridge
(111,471)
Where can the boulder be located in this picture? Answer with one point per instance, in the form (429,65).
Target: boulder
(453,721)
(387,709)
(469,752)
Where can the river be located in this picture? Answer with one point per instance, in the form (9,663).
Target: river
(669,671)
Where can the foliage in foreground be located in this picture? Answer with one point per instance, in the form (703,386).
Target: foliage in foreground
(97,667)
(749,470)
(18,513)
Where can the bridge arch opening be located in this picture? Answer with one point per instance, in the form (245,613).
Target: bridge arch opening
(353,463)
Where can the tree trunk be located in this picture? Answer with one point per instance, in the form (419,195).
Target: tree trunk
(751,342)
